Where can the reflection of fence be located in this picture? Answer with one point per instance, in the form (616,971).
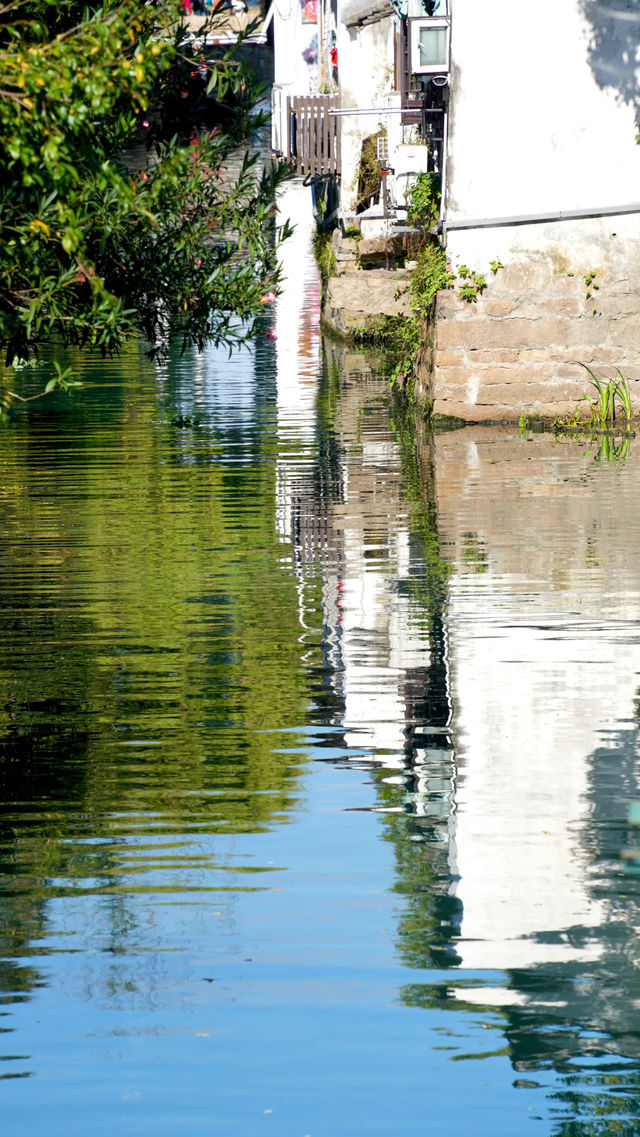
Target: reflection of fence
(313,134)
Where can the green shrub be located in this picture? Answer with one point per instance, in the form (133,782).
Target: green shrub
(324,254)
(423,200)
(429,275)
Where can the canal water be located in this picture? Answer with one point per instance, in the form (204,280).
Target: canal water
(318,755)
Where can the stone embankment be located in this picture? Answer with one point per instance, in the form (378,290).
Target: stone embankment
(368,282)
(513,351)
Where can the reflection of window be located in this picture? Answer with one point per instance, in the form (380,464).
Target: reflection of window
(429,46)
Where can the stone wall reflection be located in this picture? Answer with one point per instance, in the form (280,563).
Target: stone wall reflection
(360,517)
(481,656)
(545,655)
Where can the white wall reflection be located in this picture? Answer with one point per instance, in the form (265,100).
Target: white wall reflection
(381,637)
(543,632)
(297,317)
(536,646)
(350,525)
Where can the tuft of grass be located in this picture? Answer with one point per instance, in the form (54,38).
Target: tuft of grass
(604,410)
(624,394)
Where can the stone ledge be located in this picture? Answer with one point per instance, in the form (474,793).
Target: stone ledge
(394,247)
(354,299)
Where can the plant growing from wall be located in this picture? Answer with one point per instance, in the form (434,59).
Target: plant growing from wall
(423,200)
(474,284)
(403,336)
(591,284)
(368,175)
(428,277)
(399,338)
(324,254)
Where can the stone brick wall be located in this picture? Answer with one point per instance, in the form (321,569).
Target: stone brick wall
(514,351)
(353,300)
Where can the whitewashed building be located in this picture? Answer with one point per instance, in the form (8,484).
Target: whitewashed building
(542,178)
(530,117)
(362,70)
(543,107)
(543,129)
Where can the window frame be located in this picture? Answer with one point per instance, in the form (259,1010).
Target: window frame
(416,24)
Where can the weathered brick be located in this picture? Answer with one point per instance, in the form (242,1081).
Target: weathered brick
(453,376)
(544,354)
(511,376)
(449,305)
(616,306)
(492,355)
(560,388)
(502,394)
(627,333)
(449,358)
(596,357)
(526,276)
(450,334)
(473,413)
(565,285)
(563,306)
(522,333)
(606,355)
(570,372)
(583,331)
(499,307)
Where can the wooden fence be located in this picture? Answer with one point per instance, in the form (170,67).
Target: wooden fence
(314,134)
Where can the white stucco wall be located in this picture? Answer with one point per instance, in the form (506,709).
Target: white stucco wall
(365,60)
(542,118)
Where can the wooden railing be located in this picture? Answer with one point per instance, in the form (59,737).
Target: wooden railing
(314,134)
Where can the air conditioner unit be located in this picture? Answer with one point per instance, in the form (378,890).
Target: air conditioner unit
(429,45)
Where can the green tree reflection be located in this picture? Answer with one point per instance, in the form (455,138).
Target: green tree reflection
(150,663)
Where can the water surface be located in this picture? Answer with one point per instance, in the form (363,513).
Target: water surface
(318,741)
